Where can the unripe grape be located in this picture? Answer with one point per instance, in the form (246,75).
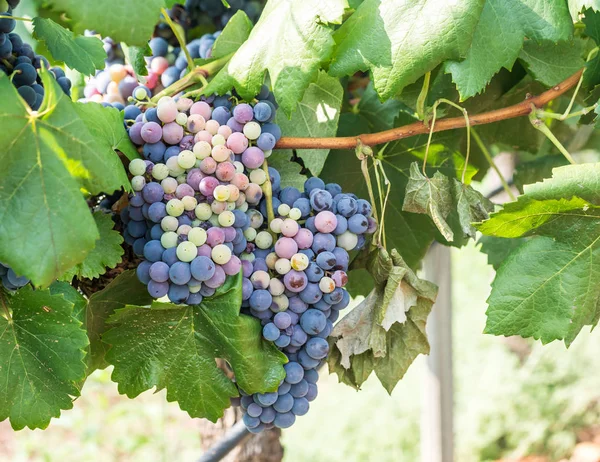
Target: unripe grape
(169,185)
(258,176)
(226,219)
(186,159)
(347,241)
(195,123)
(137,167)
(234,193)
(169,223)
(138,183)
(250,234)
(203,211)
(295,213)
(283,210)
(183,230)
(299,262)
(271,259)
(197,236)
(220,153)
(181,119)
(187,251)
(174,167)
(276,287)
(252,130)
(221,193)
(169,239)
(221,254)
(283,266)
(218,207)
(175,207)
(218,140)
(263,240)
(212,126)
(189,203)
(327,285)
(160,172)
(275,225)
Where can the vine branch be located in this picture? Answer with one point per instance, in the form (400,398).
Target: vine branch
(521,109)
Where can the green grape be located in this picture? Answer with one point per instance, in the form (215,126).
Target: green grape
(202,150)
(187,251)
(218,140)
(186,159)
(258,176)
(203,211)
(275,225)
(169,223)
(276,287)
(299,261)
(263,240)
(250,234)
(226,219)
(189,203)
(283,210)
(174,167)
(252,130)
(221,254)
(175,207)
(197,236)
(138,183)
(169,185)
(271,260)
(295,214)
(221,193)
(160,172)
(136,166)
(347,241)
(169,239)
(283,266)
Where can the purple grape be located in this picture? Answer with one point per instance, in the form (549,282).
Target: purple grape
(178,294)
(271,332)
(143,272)
(218,278)
(151,132)
(326,260)
(317,348)
(295,281)
(313,321)
(358,224)
(282,320)
(180,273)
(261,300)
(323,243)
(153,251)
(158,289)
(152,192)
(243,113)
(202,268)
(283,341)
(159,271)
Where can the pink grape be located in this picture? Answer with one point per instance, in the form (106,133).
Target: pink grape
(289,227)
(340,278)
(202,109)
(218,278)
(325,222)
(208,165)
(194,177)
(215,236)
(167,111)
(225,171)
(195,123)
(172,133)
(253,157)
(203,135)
(253,194)
(233,266)
(229,234)
(241,181)
(243,113)
(304,238)
(208,185)
(184,104)
(204,251)
(151,132)
(286,247)
(237,142)
(159,65)
(184,190)
(225,131)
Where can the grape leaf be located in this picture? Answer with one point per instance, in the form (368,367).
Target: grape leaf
(106,125)
(42,352)
(290,40)
(235,32)
(471,207)
(113,18)
(106,254)
(136,56)
(551,63)
(577,6)
(498,249)
(380,116)
(317,115)
(498,38)
(175,347)
(399,40)
(536,170)
(430,196)
(47,157)
(85,54)
(548,287)
(123,290)
(70,294)
(386,331)
(290,171)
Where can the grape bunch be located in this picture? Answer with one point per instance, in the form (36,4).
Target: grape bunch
(10,279)
(116,85)
(196,192)
(295,286)
(21,64)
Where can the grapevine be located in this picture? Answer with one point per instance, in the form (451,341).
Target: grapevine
(198,201)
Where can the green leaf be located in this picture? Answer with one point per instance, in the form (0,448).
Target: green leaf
(399,41)
(548,288)
(106,125)
(591,20)
(386,331)
(430,196)
(536,170)
(498,38)
(317,115)
(125,289)
(551,63)
(471,207)
(498,249)
(577,6)
(235,33)
(47,157)
(114,18)
(380,116)
(136,56)
(175,347)
(290,41)
(85,54)
(71,295)
(551,217)
(41,351)
(106,254)
(290,171)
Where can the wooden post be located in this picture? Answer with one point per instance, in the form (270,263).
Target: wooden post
(437,437)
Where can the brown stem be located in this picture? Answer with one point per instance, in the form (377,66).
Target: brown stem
(419,128)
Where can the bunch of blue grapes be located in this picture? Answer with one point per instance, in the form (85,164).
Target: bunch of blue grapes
(295,286)
(196,191)
(10,280)
(21,64)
